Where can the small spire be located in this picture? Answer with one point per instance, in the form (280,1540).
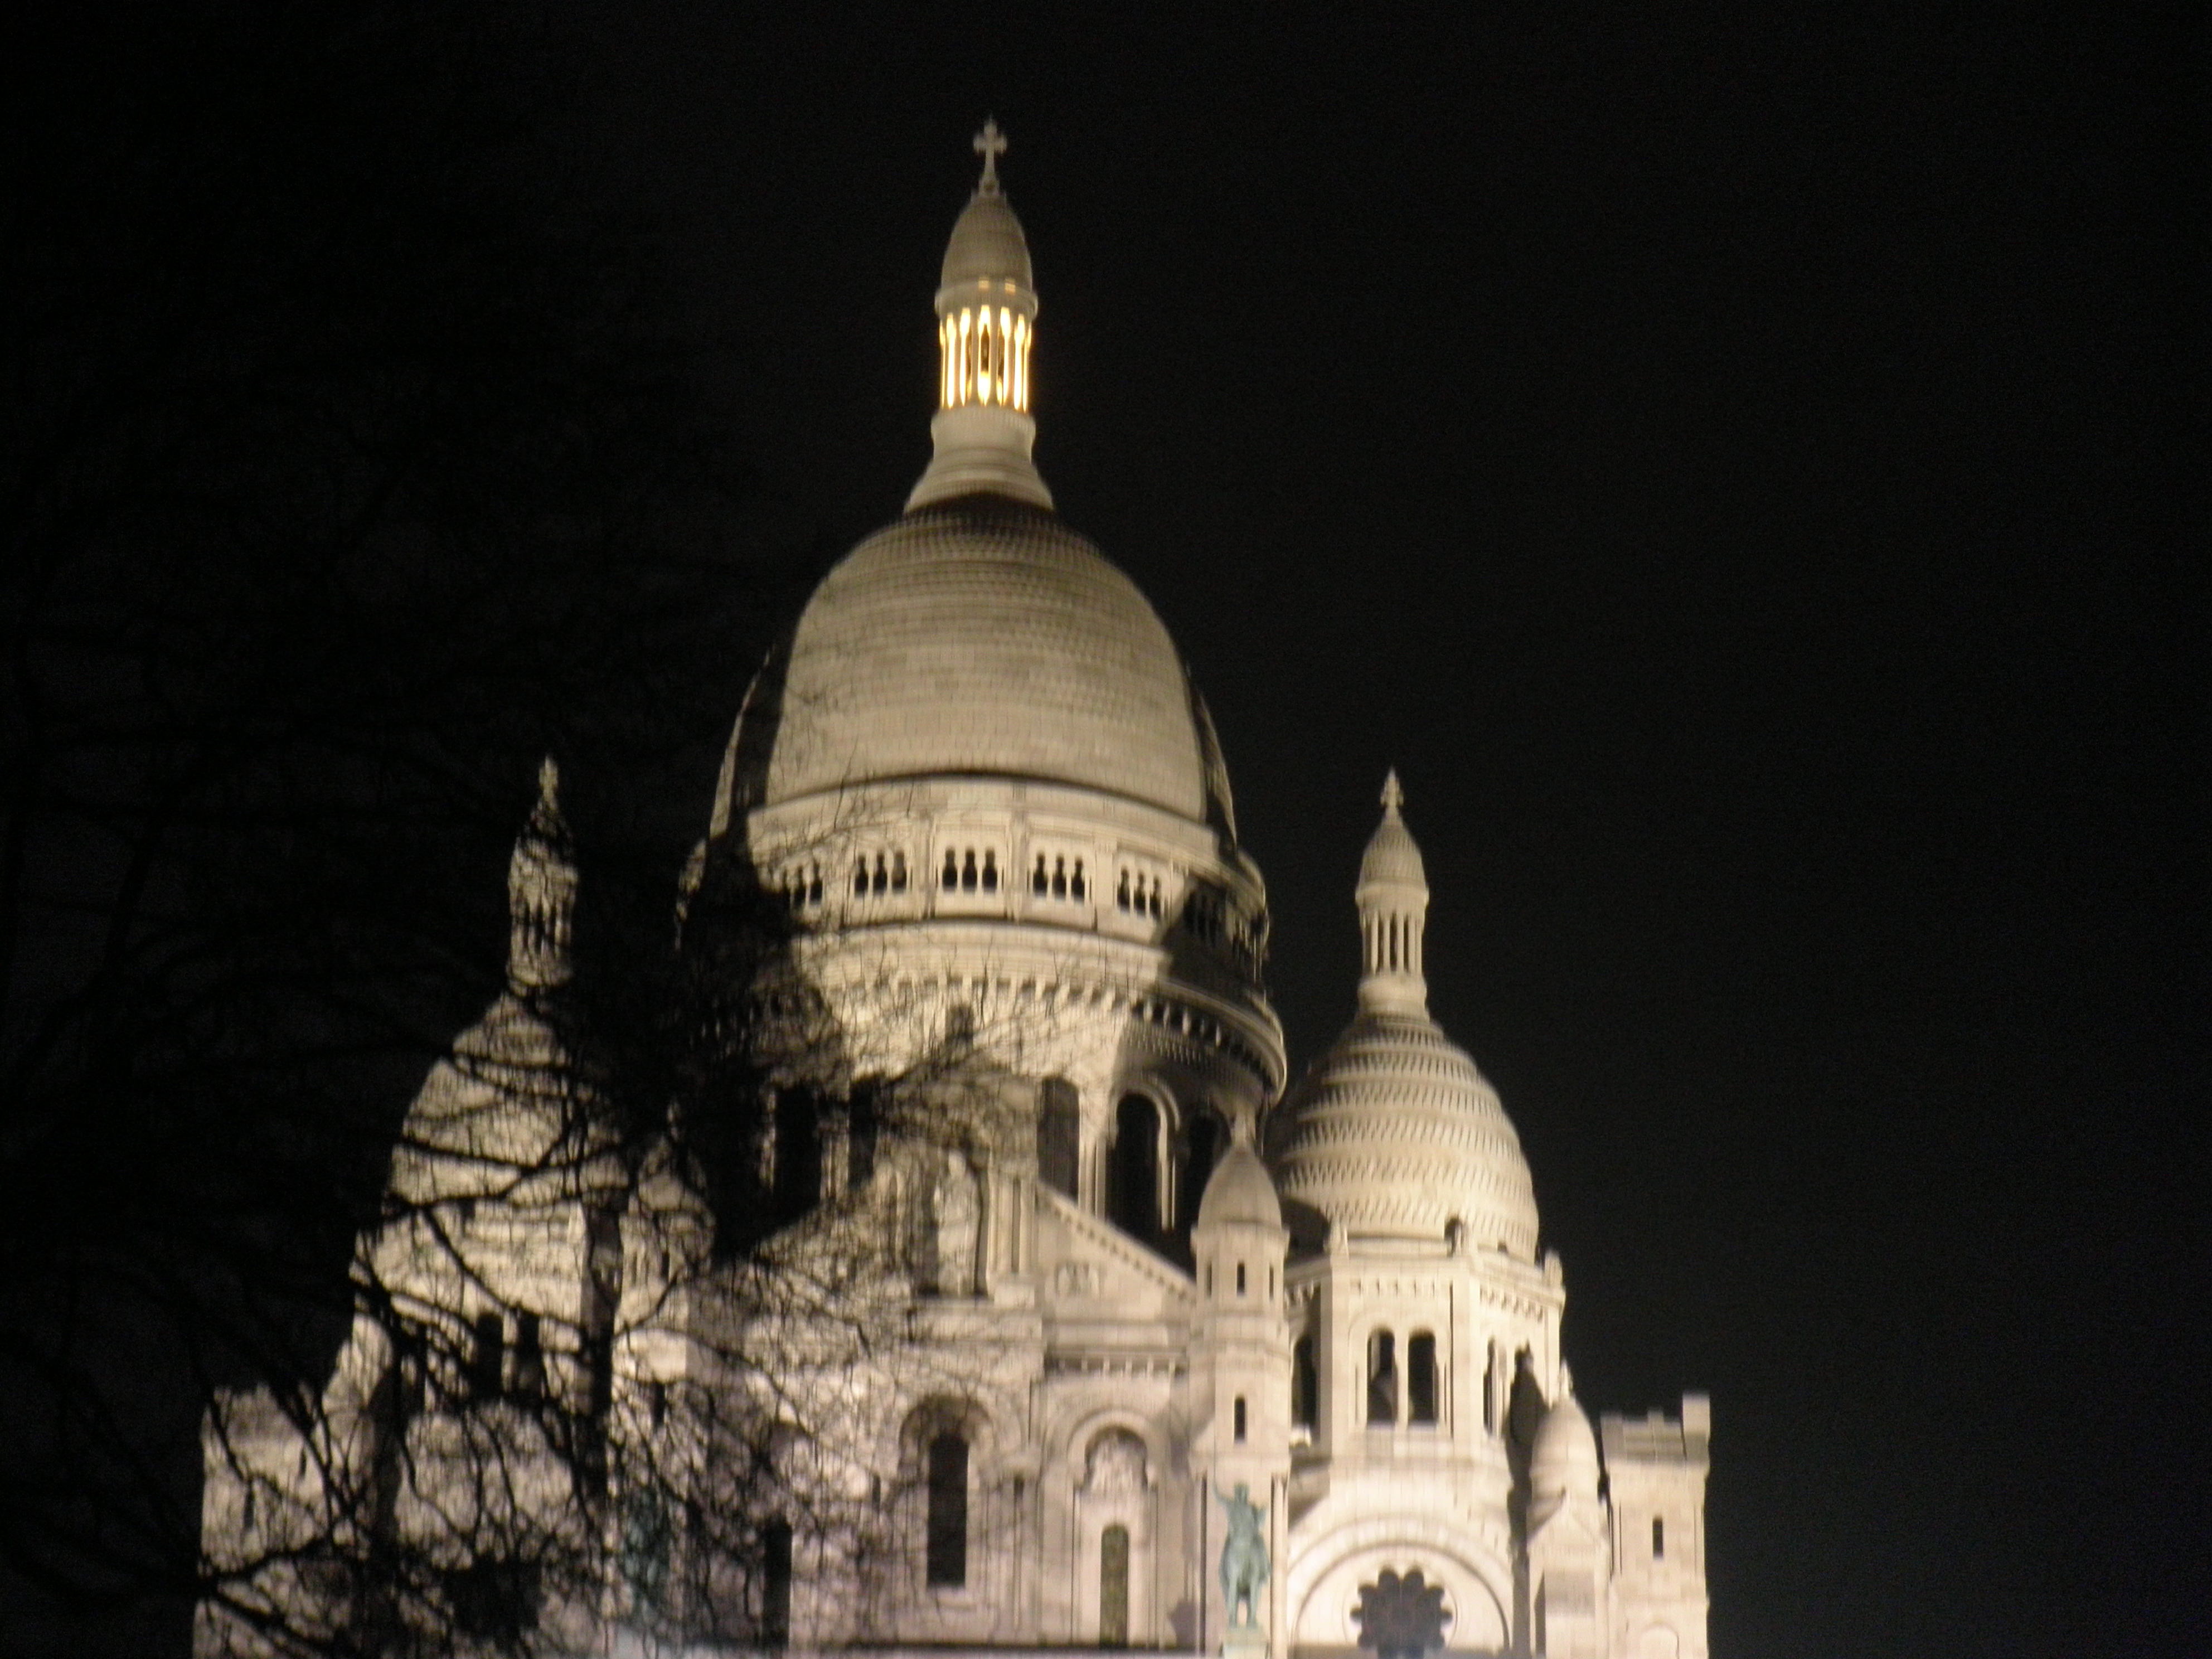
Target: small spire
(1393,796)
(990,144)
(541,891)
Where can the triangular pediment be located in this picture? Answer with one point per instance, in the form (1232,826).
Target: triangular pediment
(1089,1265)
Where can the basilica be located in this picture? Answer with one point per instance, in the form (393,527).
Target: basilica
(997,1286)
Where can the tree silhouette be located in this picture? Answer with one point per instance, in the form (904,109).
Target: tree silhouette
(344,471)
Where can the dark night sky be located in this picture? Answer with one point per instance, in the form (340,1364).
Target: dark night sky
(1724,460)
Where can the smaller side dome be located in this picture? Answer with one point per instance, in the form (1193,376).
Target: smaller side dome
(1564,1462)
(1240,1190)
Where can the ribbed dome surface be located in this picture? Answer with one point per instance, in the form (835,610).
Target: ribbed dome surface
(987,243)
(1394,1134)
(984,636)
(1392,857)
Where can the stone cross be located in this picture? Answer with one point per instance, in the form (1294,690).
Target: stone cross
(990,144)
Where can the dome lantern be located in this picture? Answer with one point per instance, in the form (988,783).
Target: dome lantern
(986,308)
(1393,905)
(541,891)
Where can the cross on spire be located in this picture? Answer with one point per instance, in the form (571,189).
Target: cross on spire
(990,144)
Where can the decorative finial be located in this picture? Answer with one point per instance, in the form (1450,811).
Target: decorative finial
(548,781)
(1393,796)
(990,144)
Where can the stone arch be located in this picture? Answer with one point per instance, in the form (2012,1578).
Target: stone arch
(1112,1463)
(1200,1139)
(942,1493)
(1116,1463)
(1324,1580)
(1138,1158)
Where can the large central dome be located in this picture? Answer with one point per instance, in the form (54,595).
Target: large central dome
(980,636)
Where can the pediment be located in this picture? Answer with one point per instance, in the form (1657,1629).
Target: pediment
(1087,1267)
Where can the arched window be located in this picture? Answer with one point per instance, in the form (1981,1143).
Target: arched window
(1421,1378)
(1203,1141)
(947,1551)
(1305,1384)
(1060,1134)
(1381,1379)
(1132,1184)
(776,1584)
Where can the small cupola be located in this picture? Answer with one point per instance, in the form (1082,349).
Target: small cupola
(1394,906)
(541,892)
(986,309)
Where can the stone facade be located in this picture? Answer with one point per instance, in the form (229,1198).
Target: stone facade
(1047,1264)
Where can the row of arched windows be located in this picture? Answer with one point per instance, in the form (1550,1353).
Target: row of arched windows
(962,873)
(802,886)
(884,875)
(1140,894)
(1385,1407)
(1058,881)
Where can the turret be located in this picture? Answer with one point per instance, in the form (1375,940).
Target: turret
(1569,1544)
(1240,1352)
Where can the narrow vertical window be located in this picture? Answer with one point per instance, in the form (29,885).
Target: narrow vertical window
(947,1562)
(1305,1384)
(776,1584)
(1059,1134)
(1382,1379)
(529,1358)
(1658,1538)
(1133,1189)
(487,1356)
(1238,1414)
(1114,1587)
(1240,1278)
(1421,1377)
